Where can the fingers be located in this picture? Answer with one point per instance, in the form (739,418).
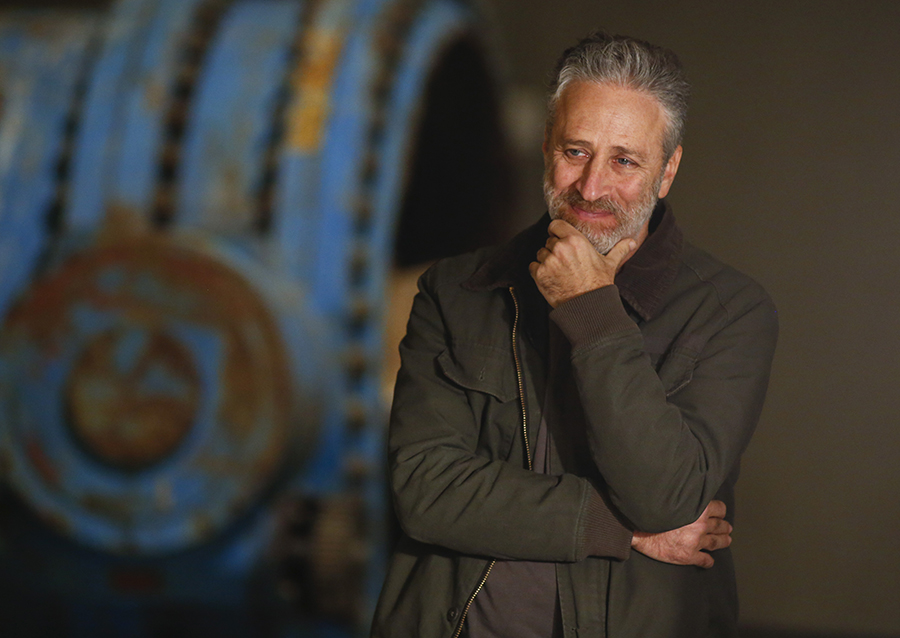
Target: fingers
(542,255)
(568,236)
(718,526)
(704,560)
(712,542)
(715,509)
(561,228)
(621,250)
(568,265)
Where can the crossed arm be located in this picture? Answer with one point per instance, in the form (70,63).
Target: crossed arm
(688,545)
(566,267)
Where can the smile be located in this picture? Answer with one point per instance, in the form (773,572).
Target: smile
(587,214)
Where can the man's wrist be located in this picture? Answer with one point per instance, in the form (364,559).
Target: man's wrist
(604,534)
(592,316)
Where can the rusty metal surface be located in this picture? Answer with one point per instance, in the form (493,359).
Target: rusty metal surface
(147,391)
(132,397)
(204,332)
(322,550)
(102,124)
(41,62)
(311,82)
(147,103)
(231,120)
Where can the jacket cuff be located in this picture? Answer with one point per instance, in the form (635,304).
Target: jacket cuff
(604,535)
(590,317)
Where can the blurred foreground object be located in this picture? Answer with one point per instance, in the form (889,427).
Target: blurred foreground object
(201,204)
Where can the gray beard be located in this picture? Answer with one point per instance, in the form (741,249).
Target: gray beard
(629,220)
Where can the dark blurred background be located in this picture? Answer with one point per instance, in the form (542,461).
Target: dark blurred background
(788,174)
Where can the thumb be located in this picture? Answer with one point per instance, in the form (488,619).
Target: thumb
(621,250)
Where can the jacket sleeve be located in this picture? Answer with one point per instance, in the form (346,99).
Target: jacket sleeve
(448,495)
(664,458)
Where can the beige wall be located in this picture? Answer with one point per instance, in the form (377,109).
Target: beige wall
(790,173)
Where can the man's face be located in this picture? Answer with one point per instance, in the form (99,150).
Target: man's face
(603,162)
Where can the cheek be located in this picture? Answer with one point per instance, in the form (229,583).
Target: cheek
(563,176)
(632,190)
(629,191)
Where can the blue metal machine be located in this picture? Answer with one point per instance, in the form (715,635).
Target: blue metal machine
(201,202)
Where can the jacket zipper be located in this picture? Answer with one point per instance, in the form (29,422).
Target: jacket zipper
(515,347)
(462,618)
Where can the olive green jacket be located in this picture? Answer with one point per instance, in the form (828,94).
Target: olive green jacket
(671,367)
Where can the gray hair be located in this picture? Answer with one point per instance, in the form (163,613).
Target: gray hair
(631,63)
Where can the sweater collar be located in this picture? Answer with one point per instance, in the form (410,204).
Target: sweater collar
(642,282)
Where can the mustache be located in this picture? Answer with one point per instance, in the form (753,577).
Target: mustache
(600,205)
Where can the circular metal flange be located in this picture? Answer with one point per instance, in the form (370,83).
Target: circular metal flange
(151,389)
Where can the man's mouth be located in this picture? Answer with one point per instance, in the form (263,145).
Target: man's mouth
(591,213)
(588,212)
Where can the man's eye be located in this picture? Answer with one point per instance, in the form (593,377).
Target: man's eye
(575,152)
(624,161)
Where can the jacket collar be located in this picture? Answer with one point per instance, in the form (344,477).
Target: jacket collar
(642,282)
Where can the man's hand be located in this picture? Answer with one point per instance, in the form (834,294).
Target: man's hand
(683,546)
(568,265)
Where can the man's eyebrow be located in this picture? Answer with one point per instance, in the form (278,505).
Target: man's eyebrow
(573,142)
(624,150)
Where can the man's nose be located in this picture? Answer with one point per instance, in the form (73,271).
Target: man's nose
(596,180)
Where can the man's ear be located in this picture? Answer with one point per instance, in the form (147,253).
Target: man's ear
(669,174)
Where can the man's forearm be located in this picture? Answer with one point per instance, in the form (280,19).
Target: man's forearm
(664,458)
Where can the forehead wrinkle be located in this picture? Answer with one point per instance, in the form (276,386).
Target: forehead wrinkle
(571,141)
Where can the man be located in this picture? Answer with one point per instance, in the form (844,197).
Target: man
(571,407)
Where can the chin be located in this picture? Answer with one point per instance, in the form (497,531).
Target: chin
(602,236)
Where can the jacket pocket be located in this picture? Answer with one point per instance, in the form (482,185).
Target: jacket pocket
(481,369)
(676,370)
(488,377)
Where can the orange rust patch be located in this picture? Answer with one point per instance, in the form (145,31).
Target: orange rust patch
(118,417)
(122,221)
(320,52)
